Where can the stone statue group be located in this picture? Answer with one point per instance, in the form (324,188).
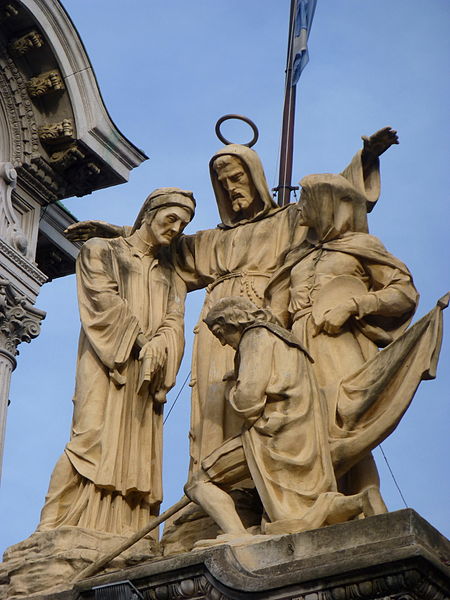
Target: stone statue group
(303,359)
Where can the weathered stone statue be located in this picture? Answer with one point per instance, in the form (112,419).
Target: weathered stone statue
(345,296)
(131,343)
(283,445)
(237,259)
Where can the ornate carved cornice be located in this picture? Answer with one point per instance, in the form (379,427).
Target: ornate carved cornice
(410,585)
(19,320)
(44,71)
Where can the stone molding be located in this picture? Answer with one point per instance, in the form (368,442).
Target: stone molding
(22,263)
(19,320)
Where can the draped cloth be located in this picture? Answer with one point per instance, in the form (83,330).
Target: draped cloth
(367,390)
(284,436)
(238,259)
(372,400)
(109,477)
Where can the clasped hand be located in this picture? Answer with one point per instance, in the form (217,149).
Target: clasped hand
(333,320)
(153,356)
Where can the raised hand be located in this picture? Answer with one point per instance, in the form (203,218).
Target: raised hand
(378,142)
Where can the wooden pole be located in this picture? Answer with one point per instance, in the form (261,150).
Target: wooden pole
(287,133)
(99,564)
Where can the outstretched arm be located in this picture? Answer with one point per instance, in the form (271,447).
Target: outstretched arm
(364,169)
(85,230)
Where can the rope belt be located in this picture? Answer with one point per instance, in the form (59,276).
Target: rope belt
(245,275)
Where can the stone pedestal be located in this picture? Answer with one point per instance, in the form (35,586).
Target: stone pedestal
(396,556)
(48,560)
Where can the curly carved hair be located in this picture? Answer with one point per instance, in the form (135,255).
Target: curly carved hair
(239,312)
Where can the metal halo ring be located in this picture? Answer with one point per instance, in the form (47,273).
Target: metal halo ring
(255,137)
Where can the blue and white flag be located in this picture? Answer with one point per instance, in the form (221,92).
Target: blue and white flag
(304,13)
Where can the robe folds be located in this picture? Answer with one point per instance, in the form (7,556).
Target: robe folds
(228,262)
(284,435)
(109,477)
(367,390)
(238,259)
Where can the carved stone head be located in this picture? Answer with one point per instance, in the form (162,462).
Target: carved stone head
(229,317)
(164,215)
(240,185)
(332,206)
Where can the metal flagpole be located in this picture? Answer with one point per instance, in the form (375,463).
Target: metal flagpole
(301,16)
(284,187)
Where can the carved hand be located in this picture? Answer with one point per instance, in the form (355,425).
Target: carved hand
(378,142)
(85,230)
(152,356)
(335,318)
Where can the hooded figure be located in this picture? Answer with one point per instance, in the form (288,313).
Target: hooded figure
(346,297)
(263,204)
(131,305)
(236,259)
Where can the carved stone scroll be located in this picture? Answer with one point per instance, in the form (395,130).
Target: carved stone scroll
(8,11)
(10,229)
(66,158)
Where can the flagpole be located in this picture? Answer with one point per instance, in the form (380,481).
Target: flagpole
(284,187)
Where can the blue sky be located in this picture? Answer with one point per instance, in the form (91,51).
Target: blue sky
(167,72)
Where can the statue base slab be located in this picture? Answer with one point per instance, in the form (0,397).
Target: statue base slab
(48,560)
(395,556)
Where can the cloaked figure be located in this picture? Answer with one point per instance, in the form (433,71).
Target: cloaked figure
(345,296)
(131,343)
(283,444)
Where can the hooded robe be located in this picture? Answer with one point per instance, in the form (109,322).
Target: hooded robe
(366,391)
(238,258)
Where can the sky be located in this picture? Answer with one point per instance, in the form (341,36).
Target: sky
(167,71)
